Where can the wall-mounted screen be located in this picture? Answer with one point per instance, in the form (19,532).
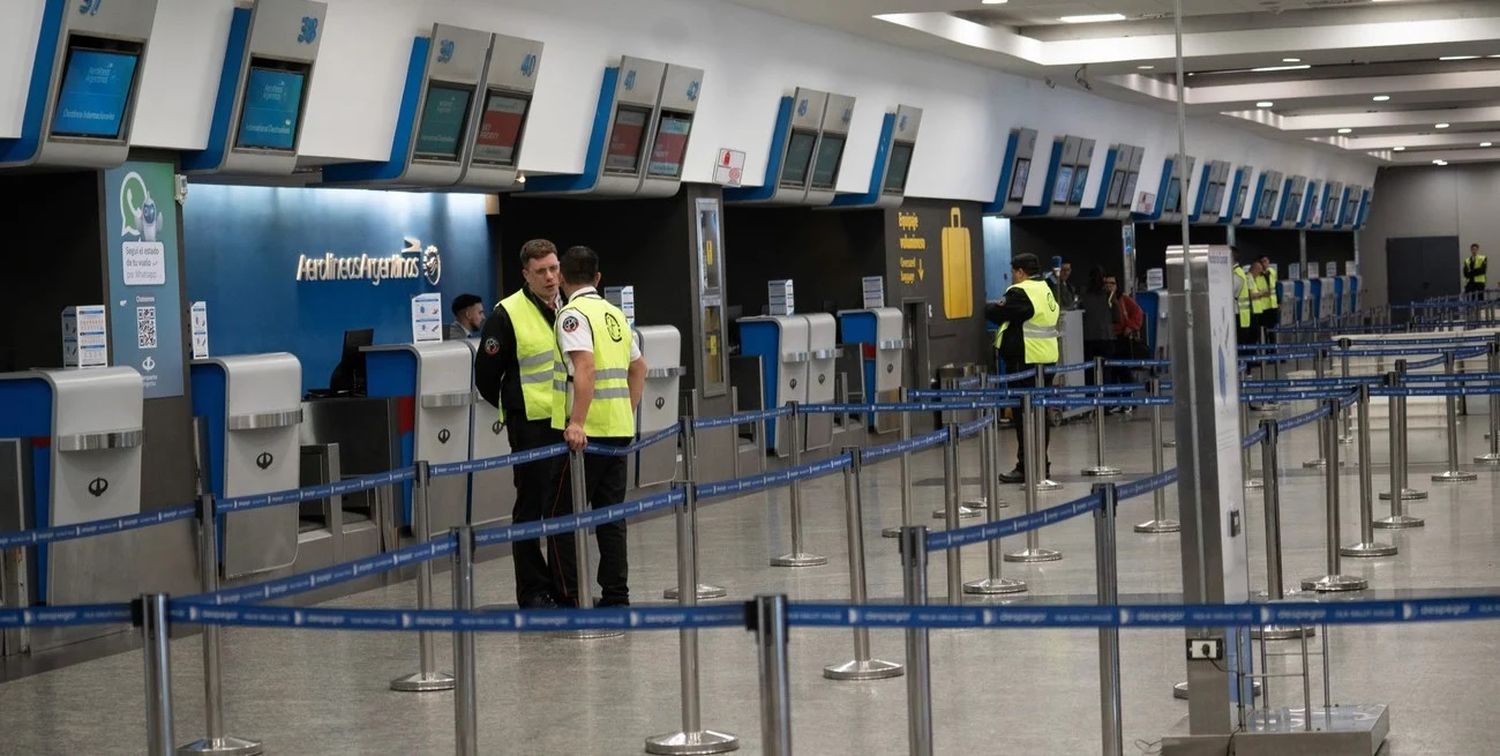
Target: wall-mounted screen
(97,83)
(1174,196)
(1080,182)
(1127,197)
(1213,201)
(444,115)
(624,152)
(1267,201)
(500,126)
(900,164)
(272,107)
(799,150)
(670,147)
(1116,188)
(1018,180)
(1293,206)
(1063,184)
(1332,214)
(1239,201)
(826,164)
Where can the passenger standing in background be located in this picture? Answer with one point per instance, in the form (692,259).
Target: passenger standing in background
(1129,332)
(595,393)
(1067,296)
(1474,270)
(468,318)
(1027,316)
(513,371)
(1099,318)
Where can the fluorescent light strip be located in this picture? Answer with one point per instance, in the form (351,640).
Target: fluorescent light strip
(1345,130)
(1265,69)
(1440,126)
(1264,104)
(1459,57)
(1092,18)
(1381,98)
(1399,149)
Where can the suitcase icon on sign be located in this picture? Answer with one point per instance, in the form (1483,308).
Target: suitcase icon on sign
(958,269)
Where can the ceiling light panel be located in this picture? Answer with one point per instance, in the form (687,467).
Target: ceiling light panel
(1092,18)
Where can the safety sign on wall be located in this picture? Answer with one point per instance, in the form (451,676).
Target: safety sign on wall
(198,327)
(85,337)
(729,168)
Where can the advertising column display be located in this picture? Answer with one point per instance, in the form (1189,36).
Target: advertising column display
(145,300)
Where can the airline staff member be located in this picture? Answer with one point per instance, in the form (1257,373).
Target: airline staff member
(595,392)
(1242,304)
(1027,317)
(1474,269)
(1260,297)
(513,371)
(1272,315)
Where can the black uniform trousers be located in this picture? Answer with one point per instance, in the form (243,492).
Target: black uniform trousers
(604,481)
(1021,421)
(536,496)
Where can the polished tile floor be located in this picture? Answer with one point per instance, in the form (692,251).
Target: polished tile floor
(994,691)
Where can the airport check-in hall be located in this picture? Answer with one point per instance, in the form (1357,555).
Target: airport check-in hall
(700,376)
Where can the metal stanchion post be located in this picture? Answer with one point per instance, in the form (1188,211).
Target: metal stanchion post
(1323,453)
(1347,435)
(1270,468)
(1036,438)
(1099,469)
(797,557)
(1367,545)
(689,439)
(1493,366)
(582,561)
(1333,580)
(1159,522)
(905,467)
(1033,551)
(918,661)
(994,583)
(157,658)
(1250,480)
(466,692)
(1399,518)
(862,667)
(426,678)
(966,510)
(214,740)
(951,506)
(692,738)
(1108,587)
(1452,474)
(769,617)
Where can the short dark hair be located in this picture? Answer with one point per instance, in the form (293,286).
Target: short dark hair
(463,302)
(1027,262)
(1475,245)
(580,265)
(536,249)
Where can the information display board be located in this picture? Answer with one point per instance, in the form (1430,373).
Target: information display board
(899,166)
(444,115)
(272,108)
(670,146)
(97,83)
(826,168)
(1064,184)
(145,299)
(499,136)
(799,150)
(624,152)
(1018,180)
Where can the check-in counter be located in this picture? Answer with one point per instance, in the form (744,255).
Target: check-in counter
(822,385)
(781,341)
(1340,296)
(878,334)
(661,347)
(492,493)
(1287,302)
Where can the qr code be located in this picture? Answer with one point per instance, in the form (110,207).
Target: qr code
(145,327)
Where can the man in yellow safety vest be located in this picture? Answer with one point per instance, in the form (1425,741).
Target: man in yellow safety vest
(1474,269)
(1242,305)
(1272,315)
(1027,338)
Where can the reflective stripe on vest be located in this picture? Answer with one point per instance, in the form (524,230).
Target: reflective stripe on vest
(536,354)
(610,414)
(1242,296)
(1039,332)
(1474,263)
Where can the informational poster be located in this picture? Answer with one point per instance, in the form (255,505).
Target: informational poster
(1331,269)
(1155,279)
(85,337)
(427,317)
(145,298)
(198,326)
(1294,271)
(622,297)
(783,300)
(1350,269)
(729,168)
(873,291)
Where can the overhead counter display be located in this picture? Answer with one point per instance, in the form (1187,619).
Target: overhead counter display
(1166,205)
(1067,174)
(1265,196)
(262,95)
(84,85)
(500,114)
(1290,206)
(1311,207)
(893,155)
(794,140)
(1120,173)
(1015,171)
(1210,191)
(1239,192)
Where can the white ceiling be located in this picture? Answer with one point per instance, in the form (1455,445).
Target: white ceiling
(1347,53)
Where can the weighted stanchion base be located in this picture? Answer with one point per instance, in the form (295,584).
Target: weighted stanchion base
(1047,484)
(1283,632)
(705,591)
(1034,555)
(1407,494)
(1170,443)
(1346,439)
(418,682)
(1333,583)
(965,512)
(799,560)
(1254,482)
(1488,459)
(1454,476)
(592,634)
(995,586)
(891,533)
(869,669)
(1321,464)
(692,743)
(1398,522)
(1159,526)
(1100,471)
(227,746)
(1370,549)
(1180,690)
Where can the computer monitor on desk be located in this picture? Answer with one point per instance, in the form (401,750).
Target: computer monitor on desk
(349,376)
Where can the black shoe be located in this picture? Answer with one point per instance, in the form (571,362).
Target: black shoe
(606,603)
(541,601)
(1014,476)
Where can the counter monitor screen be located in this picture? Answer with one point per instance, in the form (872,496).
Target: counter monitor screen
(625,139)
(349,376)
(899,166)
(1210,200)
(670,147)
(1239,201)
(799,150)
(1080,182)
(1116,189)
(1174,196)
(272,107)
(97,84)
(1293,206)
(825,171)
(1063,184)
(444,115)
(500,128)
(1018,181)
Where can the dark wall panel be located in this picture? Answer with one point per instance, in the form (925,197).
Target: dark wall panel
(1083,243)
(935,252)
(1152,240)
(825,253)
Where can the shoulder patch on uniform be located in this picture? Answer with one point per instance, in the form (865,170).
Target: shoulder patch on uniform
(491,346)
(570,324)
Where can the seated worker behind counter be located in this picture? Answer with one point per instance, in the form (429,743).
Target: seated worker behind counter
(1027,316)
(468,318)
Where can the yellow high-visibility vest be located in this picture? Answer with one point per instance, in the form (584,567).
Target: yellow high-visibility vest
(1039,332)
(1475,263)
(536,355)
(1242,296)
(610,413)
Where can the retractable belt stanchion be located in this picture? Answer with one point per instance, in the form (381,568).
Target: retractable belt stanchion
(1399,518)
(1367,545)
(769,617)
(1450,402)
(1036,438)
(692,738)
(918,660)
(582,561)
(1270,469)
(157,659)
(797,557)
(1250,480)
(1333,581)
(1346,436)
(951,505)
(994,583)
(214,740)
(1493,456)
(966,510)
(426,678)
(1159,522)
(1033,551)
(466,691)
(905,463)
(1099,470)
(1324,454)
(1108,588)
(862,667)
(690,474)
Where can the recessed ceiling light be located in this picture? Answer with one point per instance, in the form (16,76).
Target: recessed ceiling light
(1291,60)
(1492,56)
(1437,162)
(1399,148)
(1264,104)
(1264,69)
(1440,126)
(1092,18)
(1145,67)
(1458,57)
(1345,130)
(1381,98)
(1486,144)
(993,2)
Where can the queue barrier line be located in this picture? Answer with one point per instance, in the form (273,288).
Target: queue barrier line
(294,585)
(1272,357)
(72,615)
(951,539)
(1141,363)
(1451,378)
(915,444)
(1002,378)
(1005,393)
(1336,347)
(323,491)
(568,523)
(753,483)
(97,527)
(704,423)
(1142,486)
(1434,390)
(1075,367)
(1334,382)
(508,460)
(1297,421)
(1075,402)
(634,446)
(1254,438)
(836,409)
(973,427)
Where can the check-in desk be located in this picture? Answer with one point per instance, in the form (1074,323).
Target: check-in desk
(1340,296)
(1287,302)
(781,343)
(877,334)
(249,409)
(822,385)
(492,493)
(348,437)
(661,348)
(78,459)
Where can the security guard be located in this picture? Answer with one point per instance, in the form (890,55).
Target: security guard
(1260,298)
(1027,338)
(1474,269)
(513,371)
(1242,303)
(596,389)
(1271,318)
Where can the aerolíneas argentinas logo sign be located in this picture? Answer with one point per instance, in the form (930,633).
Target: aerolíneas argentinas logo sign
(413,261)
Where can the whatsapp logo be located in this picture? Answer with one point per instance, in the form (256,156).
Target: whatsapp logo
(138,212)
